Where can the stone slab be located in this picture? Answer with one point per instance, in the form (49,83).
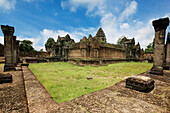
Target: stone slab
(5,78)
(140,83)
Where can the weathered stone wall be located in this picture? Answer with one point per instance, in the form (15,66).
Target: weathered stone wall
(168,50)
(95,61)
(111,53)
(75,53)
(1,50)
(148,56)
(34,54)
(102,53)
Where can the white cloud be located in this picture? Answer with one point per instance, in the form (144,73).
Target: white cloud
(32,0)
(6,5)
(112,24)
(124,26)
(76,34)
(90,5)
(2,39)
(130,9)
(35,41)
(110,27)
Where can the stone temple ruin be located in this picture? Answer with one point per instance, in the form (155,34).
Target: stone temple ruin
(11,48)
(26,94)
(60,49)
(132,51)
(159,46)
(94,50)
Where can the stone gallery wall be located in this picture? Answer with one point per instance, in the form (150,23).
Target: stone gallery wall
(34,54)
(105,52)
(75,53)
(1,50)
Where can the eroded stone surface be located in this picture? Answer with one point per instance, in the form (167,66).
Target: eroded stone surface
(9,41)
(159,46)
(168,50)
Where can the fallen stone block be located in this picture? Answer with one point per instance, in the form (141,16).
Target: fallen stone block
(18,68)
(89,78)
(25,64)
(140,83)
(5,78)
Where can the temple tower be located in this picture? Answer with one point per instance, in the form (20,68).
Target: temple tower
(101,35)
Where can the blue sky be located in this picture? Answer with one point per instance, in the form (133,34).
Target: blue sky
(37,20)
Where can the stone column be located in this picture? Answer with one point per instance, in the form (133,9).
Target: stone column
(168,50)
(159,45)
(17,50)
(14,50)
(8,47)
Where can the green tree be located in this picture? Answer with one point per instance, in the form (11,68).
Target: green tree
(26,46)
(41,50)
(149,48)
(49,44)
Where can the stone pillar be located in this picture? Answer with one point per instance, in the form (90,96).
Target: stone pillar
(168,50)
(8,47)
(14,50)
(159,45)
(17,50)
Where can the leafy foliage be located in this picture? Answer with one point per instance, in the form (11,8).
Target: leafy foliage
(41,50)
(49,44)
(26,46)
(149,48)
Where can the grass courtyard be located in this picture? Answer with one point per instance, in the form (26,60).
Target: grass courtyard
(65,81)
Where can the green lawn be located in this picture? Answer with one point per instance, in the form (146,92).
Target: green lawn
(65,81)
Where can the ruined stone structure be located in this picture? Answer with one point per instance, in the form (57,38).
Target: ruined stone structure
(1,50)
(9,48)
(148,56)
(17,50)
(159,46)
(168,50)
(60,50)
(88,48)
(96,47)
(132,51)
